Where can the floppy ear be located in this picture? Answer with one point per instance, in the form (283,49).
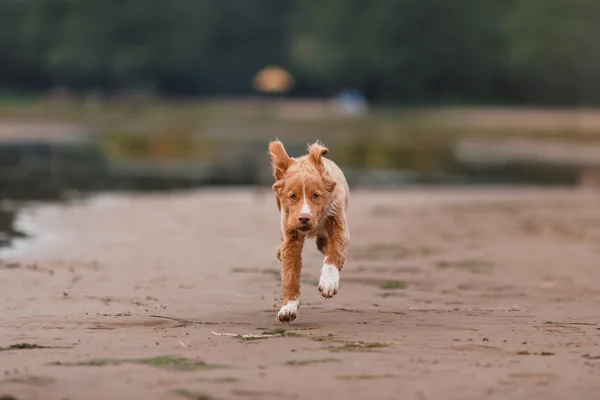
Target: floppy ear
(278,187)
(315,152)
(329,183)
(280,161)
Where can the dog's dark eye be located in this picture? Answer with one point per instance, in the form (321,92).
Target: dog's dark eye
(316,196)
(293,196)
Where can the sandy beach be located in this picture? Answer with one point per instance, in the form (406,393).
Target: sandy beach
(489,293)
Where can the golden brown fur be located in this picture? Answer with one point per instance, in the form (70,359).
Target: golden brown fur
(312,196)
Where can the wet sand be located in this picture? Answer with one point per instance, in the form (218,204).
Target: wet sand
(447,294)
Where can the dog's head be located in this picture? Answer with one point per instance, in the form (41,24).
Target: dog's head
(303,186)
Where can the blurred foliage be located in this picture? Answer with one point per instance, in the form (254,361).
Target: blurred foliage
(408,51)
(160,146)
(402,49)
(554,51)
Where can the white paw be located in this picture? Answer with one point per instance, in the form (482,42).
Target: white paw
(289,312)
(329,283)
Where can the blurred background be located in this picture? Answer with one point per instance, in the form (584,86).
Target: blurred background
(170,94)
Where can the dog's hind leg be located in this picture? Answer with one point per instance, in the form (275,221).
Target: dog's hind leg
(322,244)
(291,263)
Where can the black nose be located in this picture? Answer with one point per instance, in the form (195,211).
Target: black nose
(304,219)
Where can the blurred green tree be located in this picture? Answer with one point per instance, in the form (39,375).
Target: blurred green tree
(554,55)
(409,51)
(402,49)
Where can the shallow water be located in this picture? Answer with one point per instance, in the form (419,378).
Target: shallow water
(8,232)
(45,172)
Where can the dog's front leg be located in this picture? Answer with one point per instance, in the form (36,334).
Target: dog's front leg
(291,268)
(335,256)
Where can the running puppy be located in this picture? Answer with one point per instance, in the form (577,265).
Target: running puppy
(312,197)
